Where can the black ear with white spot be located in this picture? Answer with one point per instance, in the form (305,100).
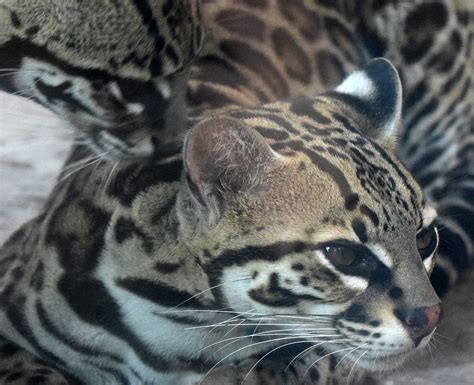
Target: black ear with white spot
(376,92)
(223,159)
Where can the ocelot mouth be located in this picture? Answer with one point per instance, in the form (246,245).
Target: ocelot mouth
(374,361)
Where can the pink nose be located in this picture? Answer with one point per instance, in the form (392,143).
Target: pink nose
(420,321)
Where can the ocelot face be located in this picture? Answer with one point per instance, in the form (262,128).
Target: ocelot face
(323,234)
(119,90)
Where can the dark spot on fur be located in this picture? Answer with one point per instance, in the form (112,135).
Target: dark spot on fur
(395,293)
(302,18)
(355,313)
(256,3)
(302,166)
(298,266)
(351,201)
(420,26)
(13,377)
(314,375)
(15,19)
(330,68)
(274,284)
(241,23)
(37,380)
(167,268)
(294,59)
(257,62)
(32,31)
(304,281)
(306,107)
(359,228)
(17,272)
(8,350)
(370,214)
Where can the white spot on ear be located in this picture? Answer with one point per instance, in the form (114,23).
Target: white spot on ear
(429,215)
(164,88)
(379,89)
(358,84)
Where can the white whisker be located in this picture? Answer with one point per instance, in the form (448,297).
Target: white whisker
(267,354)
(242,348)
(326,355)
(355,363)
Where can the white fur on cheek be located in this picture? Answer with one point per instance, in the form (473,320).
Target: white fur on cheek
(352,282)
(382,254)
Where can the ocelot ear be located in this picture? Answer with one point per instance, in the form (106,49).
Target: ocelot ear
(376,92)
(225,158)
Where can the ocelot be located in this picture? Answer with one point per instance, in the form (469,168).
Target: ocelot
(255,221)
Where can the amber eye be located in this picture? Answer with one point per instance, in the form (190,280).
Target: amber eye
(342,256)
(426,241)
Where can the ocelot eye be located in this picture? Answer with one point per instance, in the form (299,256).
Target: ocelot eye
(426,241)
(342,255)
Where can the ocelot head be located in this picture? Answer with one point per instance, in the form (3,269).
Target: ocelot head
(115,71)
(301,211)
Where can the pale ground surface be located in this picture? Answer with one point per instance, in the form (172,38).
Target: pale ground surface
(33,145)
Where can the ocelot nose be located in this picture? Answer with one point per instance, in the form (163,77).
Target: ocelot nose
(420,321)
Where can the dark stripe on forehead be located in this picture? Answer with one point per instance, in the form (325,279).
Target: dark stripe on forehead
(277,119)
(351,198)
(146,13)
(404,179)
(370,214)
(359,228)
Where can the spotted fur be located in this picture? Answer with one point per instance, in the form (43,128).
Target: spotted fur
(115,71)
(159,271)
